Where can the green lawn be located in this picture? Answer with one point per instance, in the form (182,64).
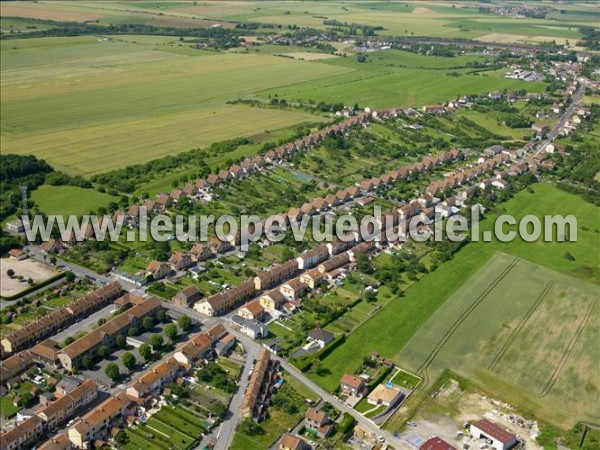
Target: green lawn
(300,388)
(375,411)
(363,406)
(137,438)
(7,408)
(175,437)
(277,423)
(69,200)
(406,380)
(395,79)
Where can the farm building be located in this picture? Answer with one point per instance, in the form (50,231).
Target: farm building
(501,439)
(436,443)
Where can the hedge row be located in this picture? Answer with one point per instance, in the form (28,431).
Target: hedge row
(376,381)
(35,287)
(305,362)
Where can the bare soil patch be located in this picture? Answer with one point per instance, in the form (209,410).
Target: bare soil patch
(27,268)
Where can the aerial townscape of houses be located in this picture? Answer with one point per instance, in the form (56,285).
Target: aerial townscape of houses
(281,286)
(73,394)
(277,289)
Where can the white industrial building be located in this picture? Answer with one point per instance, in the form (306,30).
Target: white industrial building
(501,439)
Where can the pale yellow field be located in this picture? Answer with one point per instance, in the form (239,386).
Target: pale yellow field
(35,10)
(515,38)
(88,105)
(422,10)
(307,56)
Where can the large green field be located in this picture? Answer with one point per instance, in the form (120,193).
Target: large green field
(395,78)
(69,200)
(389,331)
(434,18)
(88,105)
(524,332)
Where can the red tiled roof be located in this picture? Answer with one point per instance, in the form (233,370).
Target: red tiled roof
(436,443)
(353,381)
(494,431)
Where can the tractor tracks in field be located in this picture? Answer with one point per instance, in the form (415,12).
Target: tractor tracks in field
(508,343)
(466,313)
(565,357)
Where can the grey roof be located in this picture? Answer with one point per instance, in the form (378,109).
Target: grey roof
(319,334)
(68,383)
(251,324)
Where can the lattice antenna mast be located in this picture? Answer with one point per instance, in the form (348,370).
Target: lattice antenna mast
(24,200)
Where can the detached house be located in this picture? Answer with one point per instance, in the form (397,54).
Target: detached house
(352,385)
(213,180)
(202,185)
(331,200)
(52,246)
(290,442)
(158,269)
(177,195)
(200,252)
(190,190)
(180,260)
(294,214)
(319,204)
(307,209)
(225,175)
(353,192)
(320,336)
(385,395)
(342,196)
(164,201)
(318,423)
(366,186)
(219,246)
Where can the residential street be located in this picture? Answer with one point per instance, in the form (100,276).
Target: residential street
(575,103)
(225,432)
(326,396)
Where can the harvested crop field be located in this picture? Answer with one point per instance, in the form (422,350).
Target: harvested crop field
(520,329)
(308,56)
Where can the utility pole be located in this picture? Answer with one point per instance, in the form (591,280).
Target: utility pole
(24,201)
(24,206)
